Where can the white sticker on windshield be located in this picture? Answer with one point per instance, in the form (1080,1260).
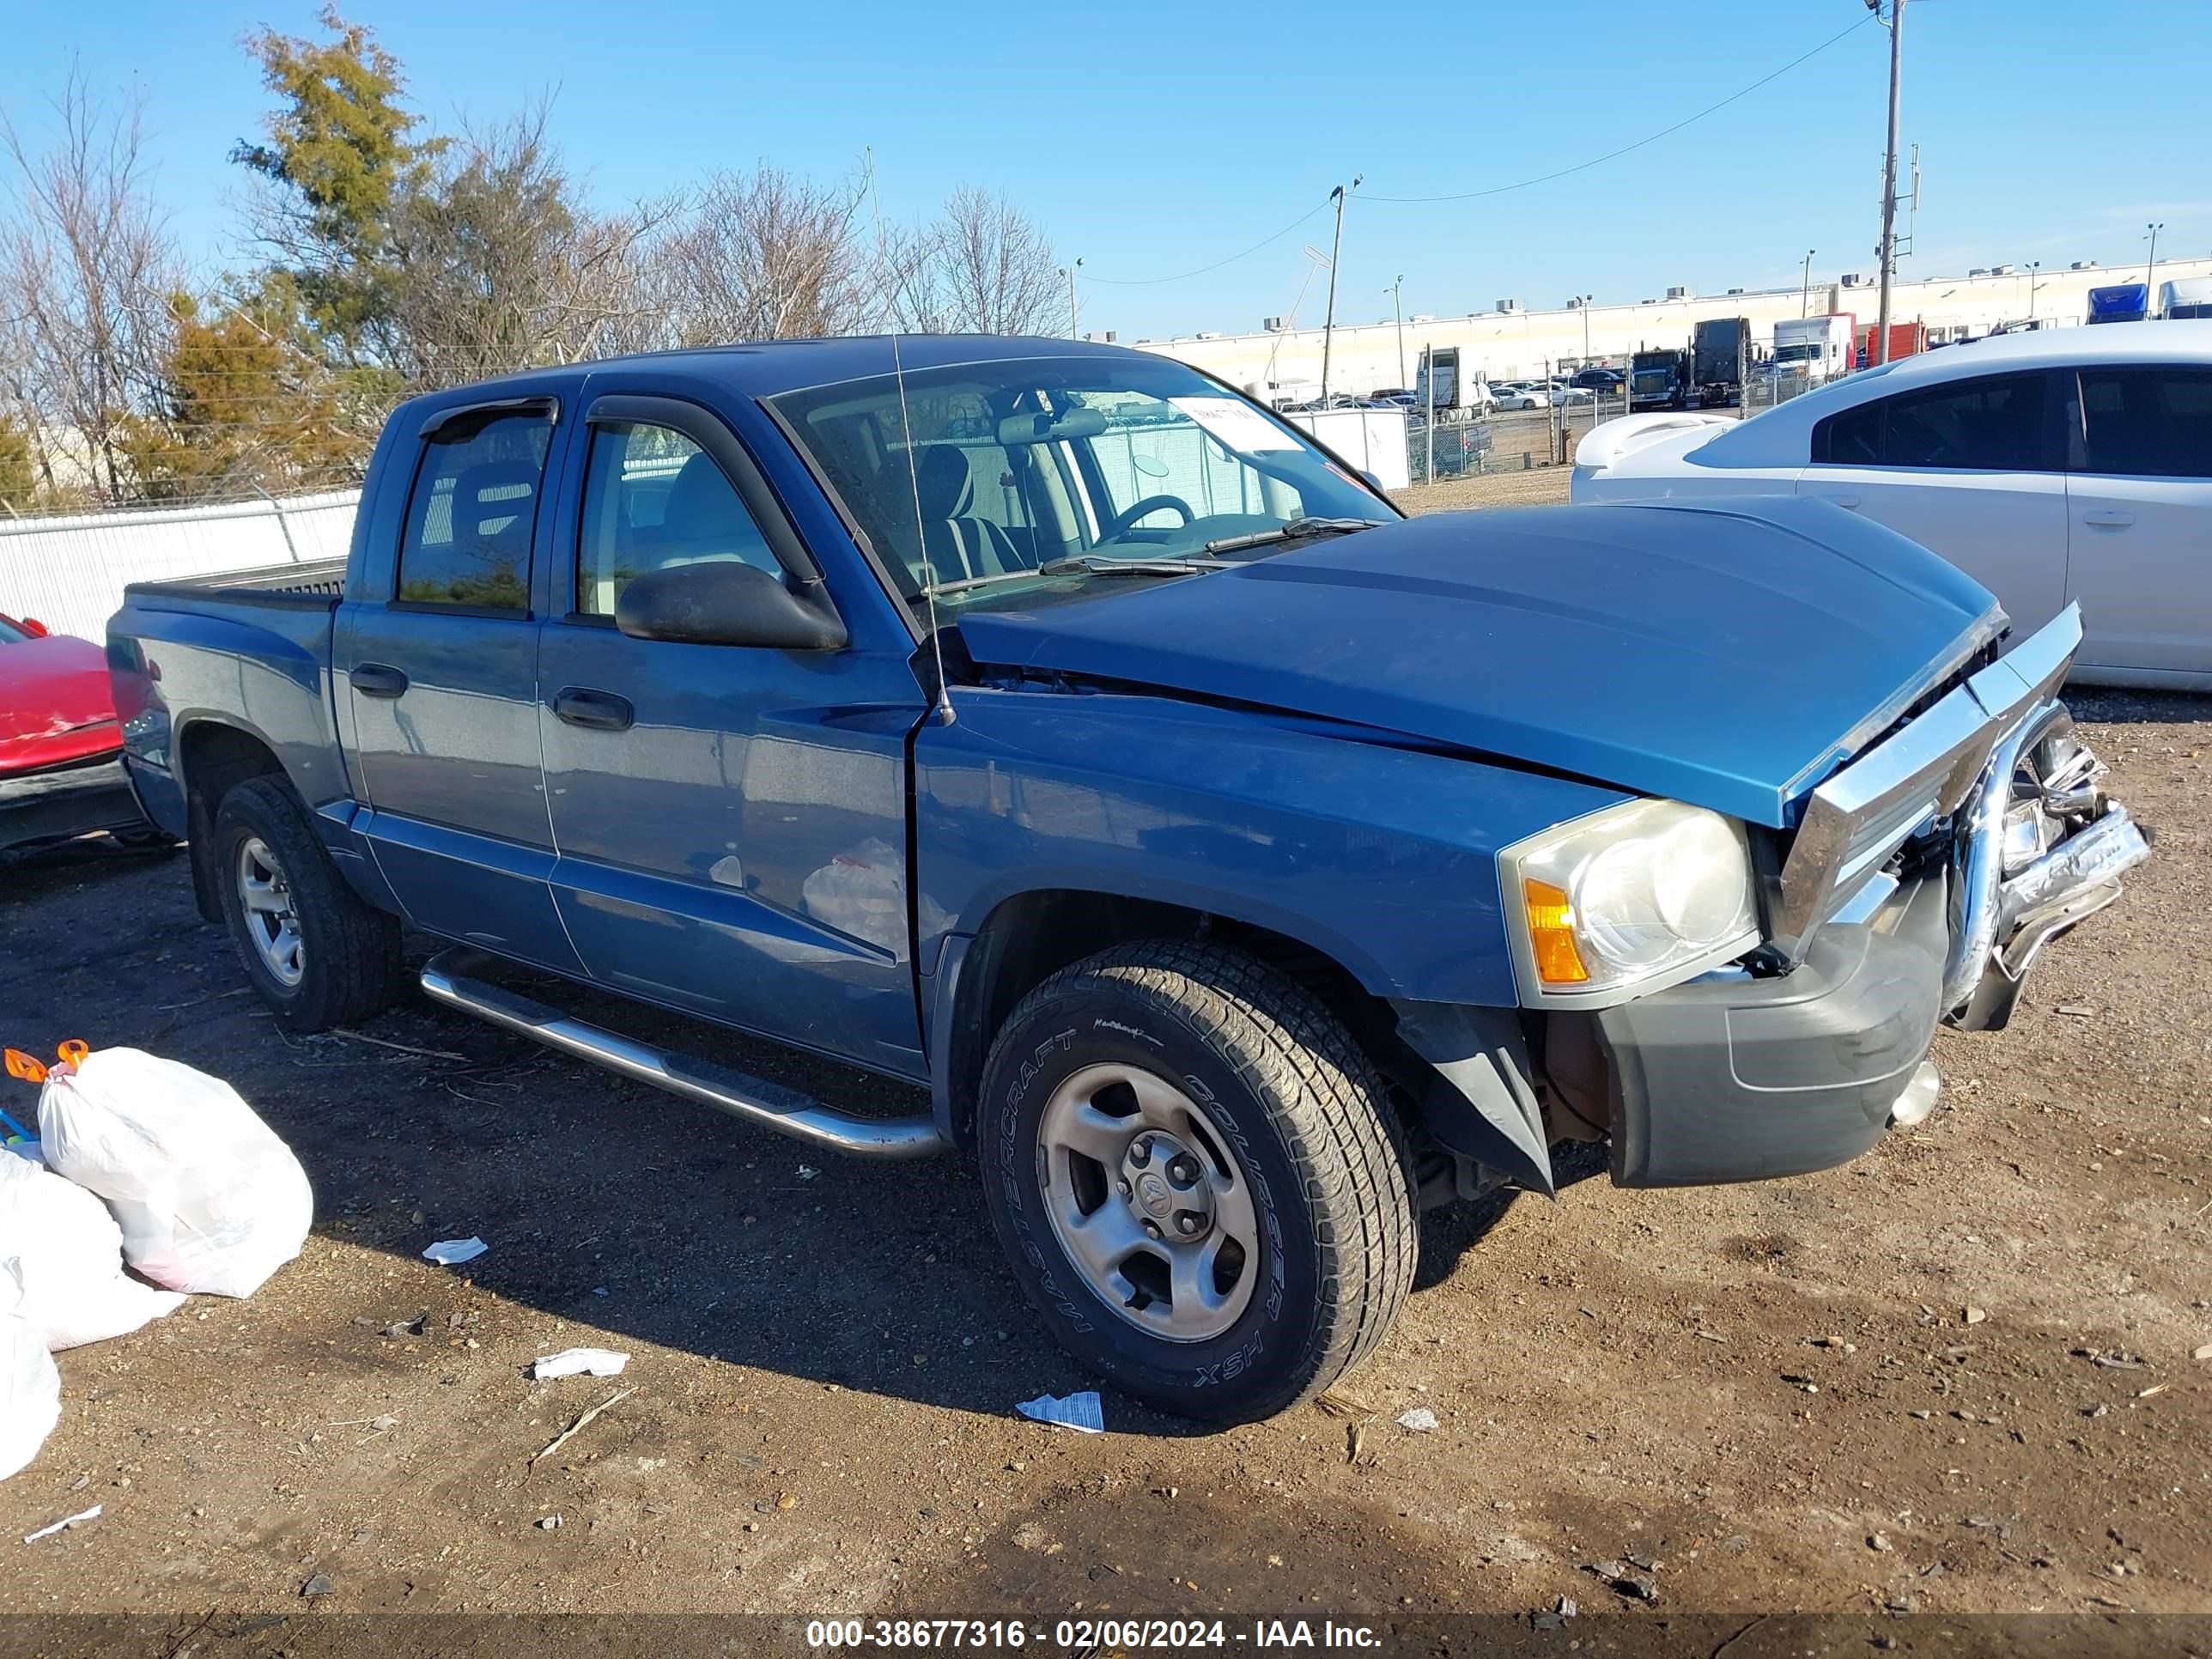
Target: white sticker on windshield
(1240,426)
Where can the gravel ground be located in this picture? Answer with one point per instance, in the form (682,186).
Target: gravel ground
(1852,1393)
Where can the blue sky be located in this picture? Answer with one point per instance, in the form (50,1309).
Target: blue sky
(1153,139)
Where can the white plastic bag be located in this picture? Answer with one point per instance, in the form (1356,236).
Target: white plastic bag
(30,1387)
(69,1256)
(207,1198)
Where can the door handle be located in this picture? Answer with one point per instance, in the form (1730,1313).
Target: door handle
(2109,520)
(375,679)
(602,711)
(1841,501)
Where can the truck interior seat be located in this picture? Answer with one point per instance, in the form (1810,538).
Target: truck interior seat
(494,510)
(958,544)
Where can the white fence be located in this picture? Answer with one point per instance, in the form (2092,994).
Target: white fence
(70,573)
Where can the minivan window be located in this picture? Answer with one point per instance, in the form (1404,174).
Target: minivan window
(1994,424)
(473,513)
(2147,422)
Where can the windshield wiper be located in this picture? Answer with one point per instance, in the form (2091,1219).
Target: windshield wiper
(1098,565)
(1295,530)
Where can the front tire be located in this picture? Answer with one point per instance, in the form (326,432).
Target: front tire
(317,954)
(1198,1178)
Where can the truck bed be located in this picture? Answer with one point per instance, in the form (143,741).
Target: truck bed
(315,586)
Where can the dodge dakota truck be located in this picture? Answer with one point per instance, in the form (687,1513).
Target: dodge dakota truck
(1238,866)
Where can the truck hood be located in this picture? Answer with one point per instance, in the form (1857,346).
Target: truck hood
(1731,658)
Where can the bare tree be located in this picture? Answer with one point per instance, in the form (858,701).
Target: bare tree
(766,256)
(500,265)
(86,268)
(983,265)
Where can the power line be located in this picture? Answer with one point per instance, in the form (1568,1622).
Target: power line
(1497,189)
(1149,281)
(1663,132)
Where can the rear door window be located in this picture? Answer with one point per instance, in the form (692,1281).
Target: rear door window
(2146,423)
(1998,423)
(474,511)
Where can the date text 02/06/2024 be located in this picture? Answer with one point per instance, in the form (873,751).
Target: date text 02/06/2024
(1083,1635)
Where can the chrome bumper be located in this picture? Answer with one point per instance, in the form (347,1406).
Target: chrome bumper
(2009,902)
(1993,744)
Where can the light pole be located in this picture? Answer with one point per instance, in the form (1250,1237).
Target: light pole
(1805,288)
(2151,270)
(1584,309)
(1881,353)
(2033,266)
(1074,322)
(1335,257)
(1398,311)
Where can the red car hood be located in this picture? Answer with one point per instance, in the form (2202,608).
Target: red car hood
(51,686)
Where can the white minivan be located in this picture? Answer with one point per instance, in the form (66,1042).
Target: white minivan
(2051,467)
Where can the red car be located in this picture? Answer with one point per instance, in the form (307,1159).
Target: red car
(54,707)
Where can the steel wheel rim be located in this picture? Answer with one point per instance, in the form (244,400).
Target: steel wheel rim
(272,919)
(1148,1201)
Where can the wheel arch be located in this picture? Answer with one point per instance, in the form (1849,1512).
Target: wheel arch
(214,756)
(1030,935)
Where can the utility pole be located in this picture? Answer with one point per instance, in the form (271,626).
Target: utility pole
(1398,311)
(1074,317)
(1804,289)
(2150,272)
(1881,353)
(1335,254)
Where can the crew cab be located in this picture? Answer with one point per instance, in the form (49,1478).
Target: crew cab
(1238,865)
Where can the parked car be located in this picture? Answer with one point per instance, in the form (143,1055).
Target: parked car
(56,709)
(2054,468)
(60,744)
(1047,726)
(1565,392)
(1523,397)
(1598,378)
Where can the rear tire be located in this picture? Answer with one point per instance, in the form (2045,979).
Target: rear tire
(1252,1115)
(317,953)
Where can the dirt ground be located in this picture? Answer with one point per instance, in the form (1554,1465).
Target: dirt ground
(1868,1391)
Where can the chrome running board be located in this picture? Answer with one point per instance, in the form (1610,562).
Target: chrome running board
(449,978)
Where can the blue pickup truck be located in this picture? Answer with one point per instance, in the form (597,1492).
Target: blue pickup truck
(1239,865)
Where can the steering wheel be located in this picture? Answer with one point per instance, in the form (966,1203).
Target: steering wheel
(1126,519)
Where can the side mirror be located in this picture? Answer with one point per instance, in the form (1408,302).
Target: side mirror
(34,628)
(724,602)
(1372,482)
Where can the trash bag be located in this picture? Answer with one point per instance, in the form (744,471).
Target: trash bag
(207,1198)
(30,1386)
(67,1253)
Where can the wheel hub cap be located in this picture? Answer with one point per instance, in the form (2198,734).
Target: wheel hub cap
(272,920)
(1147,1198)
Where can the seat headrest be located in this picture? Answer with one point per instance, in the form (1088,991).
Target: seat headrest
(947,486)
(702,507)
(509,485)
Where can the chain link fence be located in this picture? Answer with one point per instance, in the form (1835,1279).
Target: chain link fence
(1540,429)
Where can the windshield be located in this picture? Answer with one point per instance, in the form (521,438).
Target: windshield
(1796,354)
(1017,465)
(9,634)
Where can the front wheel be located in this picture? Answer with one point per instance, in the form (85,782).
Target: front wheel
(1198,1178)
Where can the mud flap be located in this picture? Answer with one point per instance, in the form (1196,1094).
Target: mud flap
(1480,1104)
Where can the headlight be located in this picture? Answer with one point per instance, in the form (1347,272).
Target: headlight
(1647,893)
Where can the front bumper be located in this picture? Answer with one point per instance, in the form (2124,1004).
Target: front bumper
(1737,1079)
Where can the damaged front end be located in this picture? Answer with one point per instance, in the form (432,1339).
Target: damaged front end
(1922,881)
